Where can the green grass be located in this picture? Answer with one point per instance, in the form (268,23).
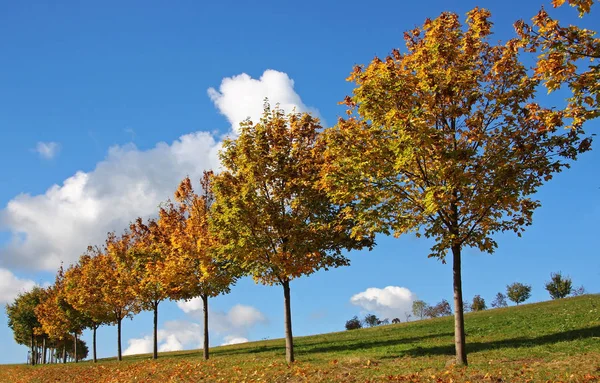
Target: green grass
(556,340)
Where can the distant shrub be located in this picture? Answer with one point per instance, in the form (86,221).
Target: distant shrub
(440,310)
(478,303)
(353,324)
(559,286)
(384,322)
(499,301)
(518,292)
(578,291)
(419,308)
(371,320)
(395,320)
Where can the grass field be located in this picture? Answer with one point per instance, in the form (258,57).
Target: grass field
(549,341)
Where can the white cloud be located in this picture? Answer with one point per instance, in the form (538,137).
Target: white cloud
(174,336)
(236,323)
(390,302)
(47,150)
(241,96)
(229,340)
(59,224)
(11,286)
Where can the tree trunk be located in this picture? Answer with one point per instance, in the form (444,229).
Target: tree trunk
(155,354)
(75,348)
(459,320)
(65,352)
(205,309)
(32,349)
(289,339)
(119,356)
(94,328)
(44,350)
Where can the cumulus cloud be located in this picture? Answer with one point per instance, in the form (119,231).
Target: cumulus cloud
(47,150)
(241,97)
(11,286)
(59,224)
(229,340)
(232,327)
(174,336)
(390,302)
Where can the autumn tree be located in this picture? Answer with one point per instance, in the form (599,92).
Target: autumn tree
(269,215)
(371,320)
(353,324)
(566,57)
(559,286)
(192,267)
(146,260)
(518,292)
(22,318)
(84,293)
(60,319)
(116,282)
(478,303)
(418,308)
(446,140)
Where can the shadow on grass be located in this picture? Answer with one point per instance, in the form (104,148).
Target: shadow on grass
(520,342)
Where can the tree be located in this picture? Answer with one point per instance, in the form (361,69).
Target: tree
(22,318)
(441,309)
(371,320)
(419,308)
(499,301)
(194,248)
(116,282)
(269,215)
(146,259)
(84,293)
(559,286)
(396,320)
(579,291)
(446,140)
(518,292)
(478,303)
(566,57)
(353,324)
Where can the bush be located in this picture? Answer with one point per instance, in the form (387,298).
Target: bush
(395,320)
(499,301)
(578,291)
(518,292)
(353,324)
(371,320)
(559,286)
(439,310)
(478,303)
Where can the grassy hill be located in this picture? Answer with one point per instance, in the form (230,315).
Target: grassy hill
(549,341)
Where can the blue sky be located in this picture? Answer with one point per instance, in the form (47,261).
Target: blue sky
(105,107)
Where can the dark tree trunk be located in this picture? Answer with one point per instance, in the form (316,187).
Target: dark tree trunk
(155,354)
(205,308)
(119,356)
(289,339)
(65,353)
(459,320)
(94,328)
(33,358)
(75,347)
(44,350)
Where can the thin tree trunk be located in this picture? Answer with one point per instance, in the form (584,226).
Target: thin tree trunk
(119,356)
(155,349)
(289,339)
(94,328)
(32,349)
(75,347)
(206,339)
(44,350)
(459,320)
(65,352)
